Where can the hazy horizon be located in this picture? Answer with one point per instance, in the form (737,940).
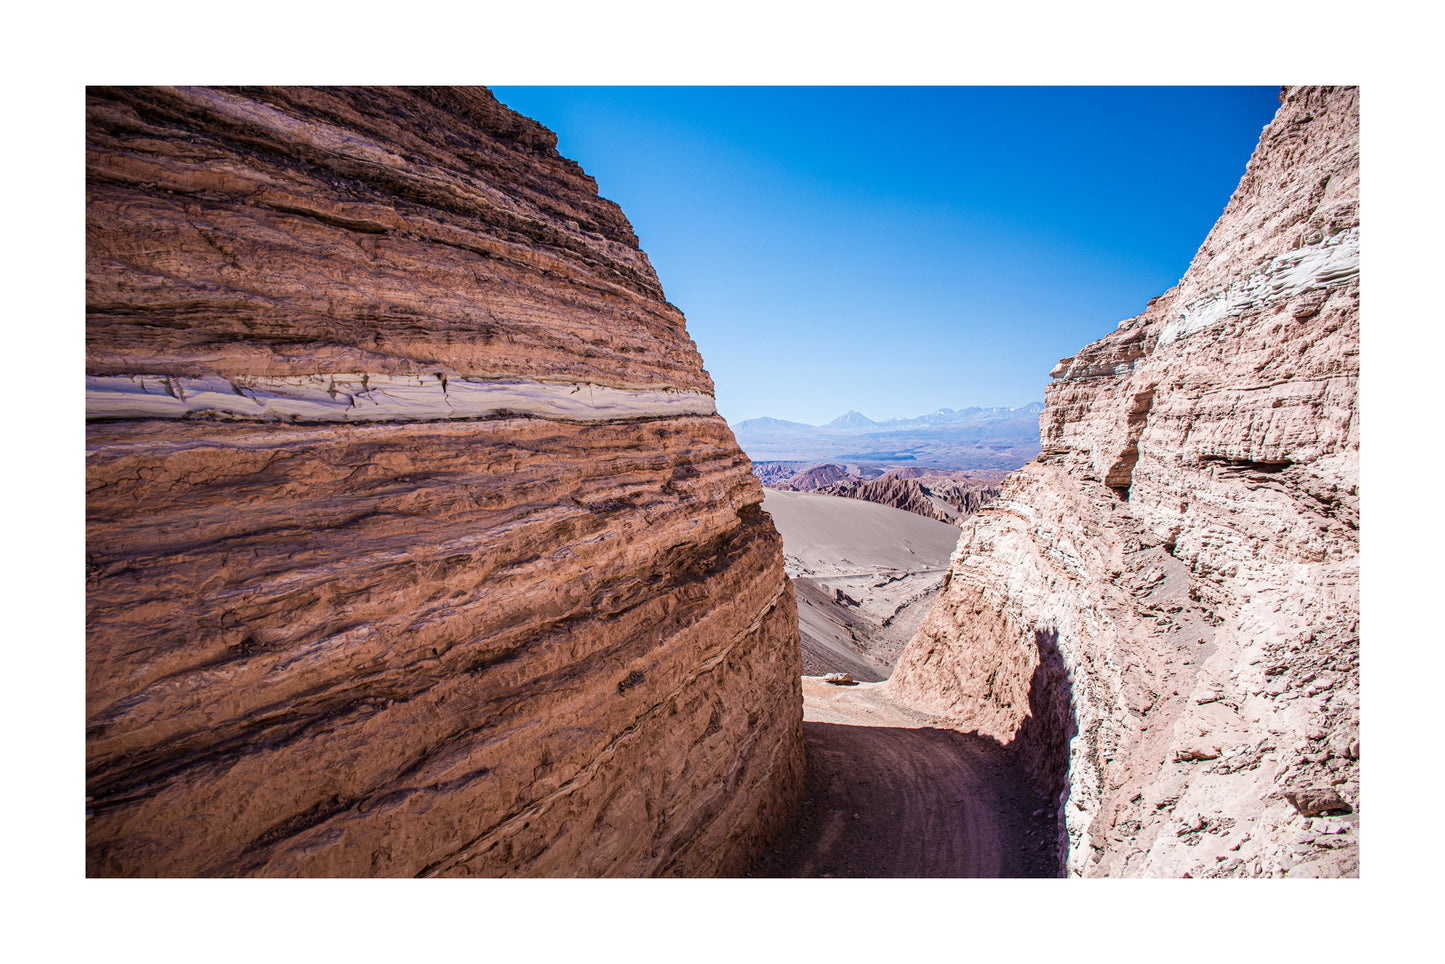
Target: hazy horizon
(891,418)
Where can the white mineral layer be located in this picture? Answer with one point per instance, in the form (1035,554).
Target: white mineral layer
(371,398)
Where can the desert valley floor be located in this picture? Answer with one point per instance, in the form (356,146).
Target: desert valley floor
(890,791)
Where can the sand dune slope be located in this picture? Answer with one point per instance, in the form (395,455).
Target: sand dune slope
(865,576)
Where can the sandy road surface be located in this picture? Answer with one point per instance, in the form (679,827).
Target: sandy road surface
(891,795)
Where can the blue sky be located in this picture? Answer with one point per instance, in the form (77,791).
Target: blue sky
(897,250)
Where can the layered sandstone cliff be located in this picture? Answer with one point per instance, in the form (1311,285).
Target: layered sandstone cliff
(1161,613)
(414,543)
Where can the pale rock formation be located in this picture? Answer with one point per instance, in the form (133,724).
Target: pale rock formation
(1161,613)
(414,546)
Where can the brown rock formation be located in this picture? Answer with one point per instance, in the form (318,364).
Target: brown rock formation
(414,545)
(810,480)
(945,499)
(1161,614)
(945,495)
(776,475)
(809,476)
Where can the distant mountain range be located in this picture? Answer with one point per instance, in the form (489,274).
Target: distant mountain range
(971,438)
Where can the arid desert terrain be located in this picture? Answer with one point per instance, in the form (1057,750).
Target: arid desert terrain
(416,545)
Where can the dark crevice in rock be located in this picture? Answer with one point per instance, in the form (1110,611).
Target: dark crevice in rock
(1268,466)
(1120,476)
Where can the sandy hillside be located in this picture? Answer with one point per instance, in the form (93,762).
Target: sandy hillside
(865,576)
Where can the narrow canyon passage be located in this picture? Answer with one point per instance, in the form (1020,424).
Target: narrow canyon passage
(891,793)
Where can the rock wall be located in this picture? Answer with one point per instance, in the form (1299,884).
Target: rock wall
(1161,613)
(414,543)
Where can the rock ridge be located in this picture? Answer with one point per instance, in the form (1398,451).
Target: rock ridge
(944,499)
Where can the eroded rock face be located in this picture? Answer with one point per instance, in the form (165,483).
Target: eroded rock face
(940,498)
(414,545)
(1161,613)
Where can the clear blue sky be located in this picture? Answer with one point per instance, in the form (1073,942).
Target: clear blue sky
(897,250)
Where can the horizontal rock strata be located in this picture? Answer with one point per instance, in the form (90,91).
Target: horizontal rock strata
(1161,613)
(414,545)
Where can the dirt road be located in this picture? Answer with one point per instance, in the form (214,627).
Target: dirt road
(891,795)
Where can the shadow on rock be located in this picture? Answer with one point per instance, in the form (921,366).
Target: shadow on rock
(1041,743)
